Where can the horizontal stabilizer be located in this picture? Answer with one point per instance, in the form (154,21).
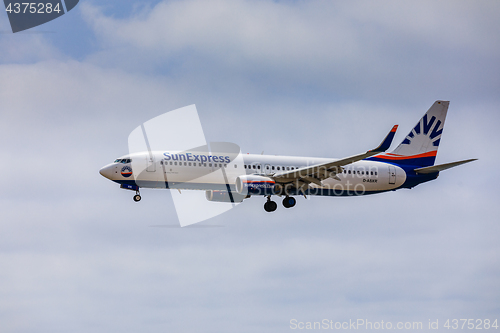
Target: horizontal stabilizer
(441,167)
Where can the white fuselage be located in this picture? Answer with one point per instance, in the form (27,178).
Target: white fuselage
(203,171)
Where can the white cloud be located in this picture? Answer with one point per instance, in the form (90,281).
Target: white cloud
(386,48)
(305,32)
(27,47)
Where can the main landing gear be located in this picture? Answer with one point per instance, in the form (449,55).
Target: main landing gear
(137,196)
(270,206)
(289,202)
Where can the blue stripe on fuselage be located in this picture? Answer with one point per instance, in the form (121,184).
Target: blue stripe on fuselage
(223,187)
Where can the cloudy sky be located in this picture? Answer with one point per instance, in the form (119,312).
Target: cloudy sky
(307,78)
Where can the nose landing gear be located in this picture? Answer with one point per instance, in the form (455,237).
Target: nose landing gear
(137,196)
(270,206)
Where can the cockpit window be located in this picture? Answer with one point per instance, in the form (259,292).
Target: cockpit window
(123,160)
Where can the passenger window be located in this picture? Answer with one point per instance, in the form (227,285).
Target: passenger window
(210,164)
(258,167)
(189,163)
(272,168)
(245,166)
(175,163)
(235,166)
(225,165)
(288,168)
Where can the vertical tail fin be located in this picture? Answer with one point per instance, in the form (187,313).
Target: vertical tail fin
(420,146)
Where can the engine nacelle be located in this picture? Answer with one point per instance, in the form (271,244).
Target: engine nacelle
(223,196)
(253,184)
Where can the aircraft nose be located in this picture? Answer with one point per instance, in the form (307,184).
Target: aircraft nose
(106,171)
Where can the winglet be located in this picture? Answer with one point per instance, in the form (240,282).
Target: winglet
(387,141)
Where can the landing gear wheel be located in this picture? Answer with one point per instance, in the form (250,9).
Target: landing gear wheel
(289,202)
(270,206)
(137,198)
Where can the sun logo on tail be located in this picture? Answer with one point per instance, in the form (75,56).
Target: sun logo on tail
(423,130)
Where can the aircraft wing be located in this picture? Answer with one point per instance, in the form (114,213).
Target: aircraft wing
(316,173)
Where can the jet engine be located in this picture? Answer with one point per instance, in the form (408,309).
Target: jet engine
(223,196)
(254,184)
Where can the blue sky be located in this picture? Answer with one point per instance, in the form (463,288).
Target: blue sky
(314,78)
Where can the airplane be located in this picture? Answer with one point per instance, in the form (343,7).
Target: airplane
(224,180)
